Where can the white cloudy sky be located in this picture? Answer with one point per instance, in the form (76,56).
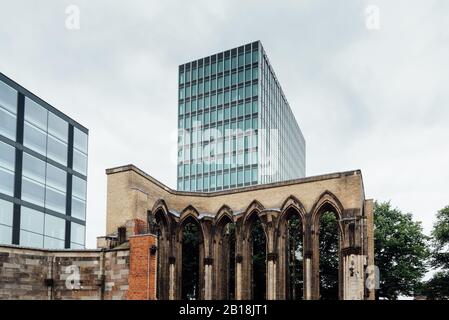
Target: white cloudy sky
(375,100)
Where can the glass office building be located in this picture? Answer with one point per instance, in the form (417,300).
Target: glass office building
(43,172)
(235,125)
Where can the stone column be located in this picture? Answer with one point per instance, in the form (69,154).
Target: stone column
(308,276)
(271,276)
(171,276)
(208,278)
(353,274)
(238,277)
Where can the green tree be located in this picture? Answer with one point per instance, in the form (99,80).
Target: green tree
(259,261)
(294,255)
(400,250)
(440,243)
(190,262)
(438,286)
(329,246)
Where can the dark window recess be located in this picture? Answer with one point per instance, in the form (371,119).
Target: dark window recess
(121,235)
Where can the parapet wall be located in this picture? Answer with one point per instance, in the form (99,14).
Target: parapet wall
(39,274)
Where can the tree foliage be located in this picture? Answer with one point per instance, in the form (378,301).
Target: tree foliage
(294,253)
(190,262)
(400,251)
(440,240)
(329,259)
(438,286)
(259,261)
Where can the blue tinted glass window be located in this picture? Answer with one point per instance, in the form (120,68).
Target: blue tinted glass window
(7,156)
(234,62)
(254,175)
(55,200)
(233,178)
(6,212)
(255,90)
(240,60)
(33,191)
(7,124)
(36,114)
(54,227)
(6,181)
(31,220)
(181,77)
(79,187)
(56,178)
(33,168)
(8,98)
(35,139)
(255,73)
(52,243)
(79,162)
(31,239)
(77,234)
(255,56)
(57,150)
(5,234)
(240,176)
(58,127)
(80,140)
(78,208)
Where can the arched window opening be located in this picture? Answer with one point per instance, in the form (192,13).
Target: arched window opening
(329,245)
(258,245)
(294,258)
(190,287)
(227,271)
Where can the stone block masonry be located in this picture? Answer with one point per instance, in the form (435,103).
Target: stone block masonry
(39,274)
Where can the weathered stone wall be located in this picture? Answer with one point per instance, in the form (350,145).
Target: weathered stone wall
(22,274)
(131,192)
(27,273)
(134,195)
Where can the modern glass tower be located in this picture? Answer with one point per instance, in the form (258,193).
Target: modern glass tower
(235,125)
(43,172)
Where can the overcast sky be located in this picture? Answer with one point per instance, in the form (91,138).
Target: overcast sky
(365,98)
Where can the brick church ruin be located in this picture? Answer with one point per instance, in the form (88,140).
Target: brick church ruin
(141,257)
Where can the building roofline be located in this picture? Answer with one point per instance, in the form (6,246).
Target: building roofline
(41,102)
(218,52)
(329,176)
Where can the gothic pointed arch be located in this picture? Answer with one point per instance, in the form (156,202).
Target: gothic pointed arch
(327,201)
(291,204)
(252,212)
(160,204)
(225,212)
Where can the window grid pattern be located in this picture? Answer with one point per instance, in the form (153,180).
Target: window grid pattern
(218,120)
(283,142)
(235,90)
(46,171)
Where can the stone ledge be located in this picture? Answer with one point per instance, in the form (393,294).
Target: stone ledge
(329,176)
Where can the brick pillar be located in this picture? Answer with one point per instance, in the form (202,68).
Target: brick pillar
(143,268)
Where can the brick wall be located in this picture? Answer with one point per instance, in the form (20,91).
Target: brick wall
(43,274)
(143,267)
